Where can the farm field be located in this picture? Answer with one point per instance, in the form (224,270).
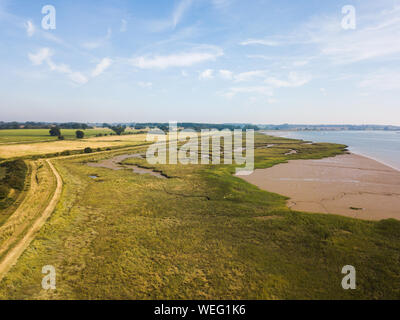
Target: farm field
(58,146)
(39,135)
(201,233)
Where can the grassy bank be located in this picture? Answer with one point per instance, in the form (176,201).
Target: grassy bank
(200,234)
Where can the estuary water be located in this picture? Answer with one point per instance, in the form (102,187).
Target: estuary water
(383,146)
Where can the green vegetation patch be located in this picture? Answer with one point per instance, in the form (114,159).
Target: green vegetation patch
(200,234)
(12,178)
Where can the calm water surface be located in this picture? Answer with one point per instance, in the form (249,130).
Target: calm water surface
(383,146)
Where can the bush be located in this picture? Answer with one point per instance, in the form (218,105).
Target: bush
(61,138)
(79,134)
(55,132)
(16,173)
(118,129)
(88,150)
(66,153)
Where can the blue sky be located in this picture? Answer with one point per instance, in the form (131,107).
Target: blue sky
(255,61)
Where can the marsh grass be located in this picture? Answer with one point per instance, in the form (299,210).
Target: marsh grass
(201,234)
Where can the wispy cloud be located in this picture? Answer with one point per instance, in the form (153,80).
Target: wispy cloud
(180,10)
(263,42)
(90,45)
(226,74)
(173,20)
(293,80)
(42,55)
(206,74)
(250,75)
(270,84)
(104,64)
(184,59)
(30,28)
(45,54)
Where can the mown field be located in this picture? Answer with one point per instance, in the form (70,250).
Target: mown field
(200,234)
(40,135)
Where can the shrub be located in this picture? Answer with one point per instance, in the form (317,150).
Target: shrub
(66,153)
(79,134)
(55,132)
(61,138)
(16,173)
(118,129)
(88,150)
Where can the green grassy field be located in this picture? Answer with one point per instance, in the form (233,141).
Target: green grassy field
(37,135)
(201,234)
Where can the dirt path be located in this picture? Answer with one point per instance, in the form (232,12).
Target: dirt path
(12,256)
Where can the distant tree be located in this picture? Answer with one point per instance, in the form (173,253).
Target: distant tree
(55,132)
(88,150)
(118,129)
(79,134)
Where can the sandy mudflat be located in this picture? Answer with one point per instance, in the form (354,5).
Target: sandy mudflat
(349,185)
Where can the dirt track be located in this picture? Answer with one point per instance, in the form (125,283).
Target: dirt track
(12,256)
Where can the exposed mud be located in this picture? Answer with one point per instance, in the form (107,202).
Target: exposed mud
(116,164)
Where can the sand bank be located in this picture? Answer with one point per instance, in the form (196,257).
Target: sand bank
(349,185)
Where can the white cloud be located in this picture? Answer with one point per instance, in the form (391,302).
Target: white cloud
(41,56)
(62,68)
(206,74)
(185,59)
(98,42)
(145,84)
(263,42)
(376,37)
(294,80)
(179,11)
(101,67)
(78,78)
(250,75)
(226,74)
(45,54)
(30,28)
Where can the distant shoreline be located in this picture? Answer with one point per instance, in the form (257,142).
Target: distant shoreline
(352,148)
